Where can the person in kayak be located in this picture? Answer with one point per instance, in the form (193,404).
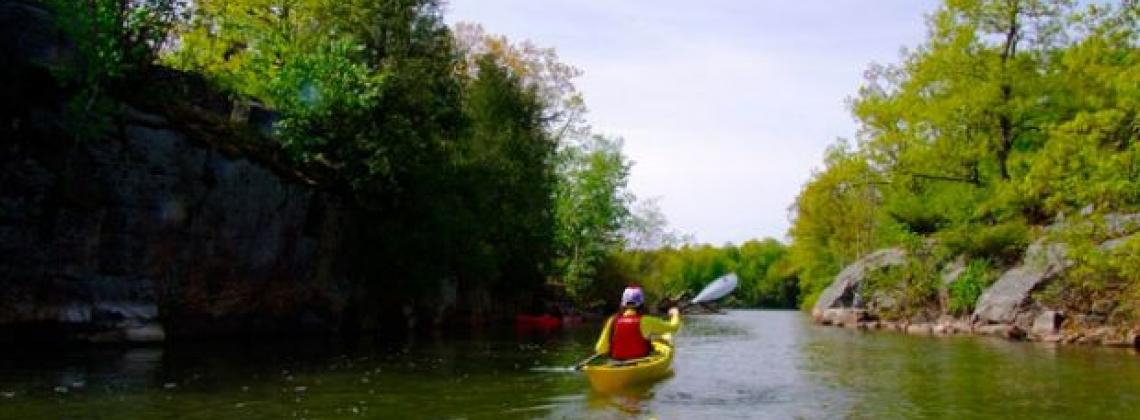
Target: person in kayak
(626,335)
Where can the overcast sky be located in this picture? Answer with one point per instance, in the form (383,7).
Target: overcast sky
(725,106)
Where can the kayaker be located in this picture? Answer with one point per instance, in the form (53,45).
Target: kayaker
(626,335)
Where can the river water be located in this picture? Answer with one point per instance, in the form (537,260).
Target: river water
(746,364)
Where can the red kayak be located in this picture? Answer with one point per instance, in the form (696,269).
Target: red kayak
(541,322)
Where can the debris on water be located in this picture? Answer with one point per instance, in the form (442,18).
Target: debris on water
(300,389)
(7,394)
(289,378)
(239,405)
(245,388)
(363,380)
(170,385)
(78,384)
(355,410)
(60,389)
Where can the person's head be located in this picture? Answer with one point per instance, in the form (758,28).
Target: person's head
(632,297)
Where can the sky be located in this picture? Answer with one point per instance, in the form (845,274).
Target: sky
(725,107)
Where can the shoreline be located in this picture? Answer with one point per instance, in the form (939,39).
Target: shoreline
(861,320)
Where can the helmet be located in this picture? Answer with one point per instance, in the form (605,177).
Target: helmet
(632,296)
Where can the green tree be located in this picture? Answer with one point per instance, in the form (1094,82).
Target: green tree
(507,179)
(1011,113)
(116,43)
(591,207)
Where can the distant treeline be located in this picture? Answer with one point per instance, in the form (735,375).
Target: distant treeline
(766,280)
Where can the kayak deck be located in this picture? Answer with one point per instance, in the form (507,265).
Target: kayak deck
(615,377)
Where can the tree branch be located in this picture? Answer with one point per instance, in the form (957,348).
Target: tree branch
(971,180)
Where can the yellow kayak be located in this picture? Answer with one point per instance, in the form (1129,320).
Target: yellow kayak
(615,377)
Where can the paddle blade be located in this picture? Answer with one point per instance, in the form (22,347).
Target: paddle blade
(717,289)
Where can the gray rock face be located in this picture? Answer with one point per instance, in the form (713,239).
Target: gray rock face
(1047,323)
(950,274)
(842,292)
(164,225)
(119,228)
(1002,302)
(1113,245)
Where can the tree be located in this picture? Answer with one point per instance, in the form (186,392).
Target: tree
(1011,113)
(506,179)
(835,218)
(647,227)
(591,207)
(365,87)
(538,68)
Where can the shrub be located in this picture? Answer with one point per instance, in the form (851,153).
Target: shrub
(1002,243)
(114,41)
(966,290)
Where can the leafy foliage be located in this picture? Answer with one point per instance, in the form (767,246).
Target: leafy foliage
(447,150)
(591,206)
(965,291)
(1010,113)
(765,277)
(114,42)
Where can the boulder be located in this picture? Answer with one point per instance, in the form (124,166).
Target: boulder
(920,329)
(838,317)
(1002,302)
(1115,244)
(842,292)
(1047,323)
(1097,336)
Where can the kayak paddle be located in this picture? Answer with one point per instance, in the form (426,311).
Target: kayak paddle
(719,288)
(583,363)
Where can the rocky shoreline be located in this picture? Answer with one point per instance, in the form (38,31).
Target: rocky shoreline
(1009,308)
(1045,329)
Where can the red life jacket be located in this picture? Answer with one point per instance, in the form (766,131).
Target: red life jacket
(626,341)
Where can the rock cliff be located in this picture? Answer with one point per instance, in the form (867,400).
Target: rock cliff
(178,221)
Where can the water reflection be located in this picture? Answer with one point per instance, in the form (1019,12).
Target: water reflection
(891,375)
(742,365)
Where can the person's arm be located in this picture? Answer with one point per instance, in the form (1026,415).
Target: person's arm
(603,346)
(655,325)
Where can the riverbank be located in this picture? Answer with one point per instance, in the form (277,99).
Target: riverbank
(915,292)
(157,206)
(1045,329)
